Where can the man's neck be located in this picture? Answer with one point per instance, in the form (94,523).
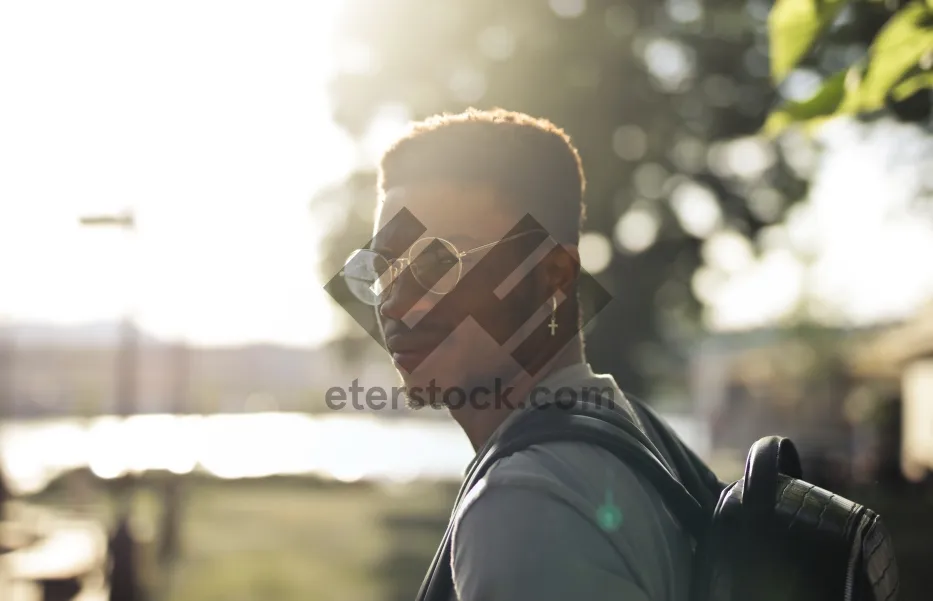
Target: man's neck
(480,419)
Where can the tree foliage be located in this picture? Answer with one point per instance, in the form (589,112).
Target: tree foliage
(894,72)
(663,99)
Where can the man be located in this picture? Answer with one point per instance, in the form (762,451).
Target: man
(473,271)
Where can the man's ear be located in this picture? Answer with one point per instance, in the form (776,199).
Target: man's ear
(563,267)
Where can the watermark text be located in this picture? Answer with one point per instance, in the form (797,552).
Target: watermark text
(378,398)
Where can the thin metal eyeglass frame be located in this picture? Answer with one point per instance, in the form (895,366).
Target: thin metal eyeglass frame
(397,266)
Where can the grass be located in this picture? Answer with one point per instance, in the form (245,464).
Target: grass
(269,543)
(288,539)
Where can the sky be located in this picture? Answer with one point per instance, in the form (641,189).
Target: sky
(211,122)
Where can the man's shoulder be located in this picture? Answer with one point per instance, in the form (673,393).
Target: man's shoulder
(572,502)
(576,473)
(517,541)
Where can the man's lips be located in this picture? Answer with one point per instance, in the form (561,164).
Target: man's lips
(406,344)
(409,351)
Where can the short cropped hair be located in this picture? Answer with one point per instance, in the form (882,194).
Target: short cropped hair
(530,160)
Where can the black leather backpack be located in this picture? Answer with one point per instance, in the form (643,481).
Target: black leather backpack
(769,536)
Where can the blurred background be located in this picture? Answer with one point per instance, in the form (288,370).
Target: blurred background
(179,181)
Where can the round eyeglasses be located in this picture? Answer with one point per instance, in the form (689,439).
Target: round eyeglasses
(435,263)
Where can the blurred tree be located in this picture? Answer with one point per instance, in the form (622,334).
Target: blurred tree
(663,99)
(350,208)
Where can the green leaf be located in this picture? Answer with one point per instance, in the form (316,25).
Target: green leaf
(794,26)
(912,85)
(822,104)
(898,48)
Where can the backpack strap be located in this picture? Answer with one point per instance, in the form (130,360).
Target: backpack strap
(581,423)
(692,471)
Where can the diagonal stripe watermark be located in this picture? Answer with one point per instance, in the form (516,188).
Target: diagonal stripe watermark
(475,295)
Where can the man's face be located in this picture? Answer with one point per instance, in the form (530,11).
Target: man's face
(430,343)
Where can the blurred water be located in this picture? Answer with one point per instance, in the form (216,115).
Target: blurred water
(345,448)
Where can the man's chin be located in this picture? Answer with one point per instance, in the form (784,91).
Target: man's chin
(427,391)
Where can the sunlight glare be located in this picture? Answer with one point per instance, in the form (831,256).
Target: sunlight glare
(211,121)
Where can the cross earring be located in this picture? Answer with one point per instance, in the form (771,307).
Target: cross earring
(553,324)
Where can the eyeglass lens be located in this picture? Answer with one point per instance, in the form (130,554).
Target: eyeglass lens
(435,265)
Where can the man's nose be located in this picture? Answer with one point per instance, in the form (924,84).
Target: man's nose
(407,298)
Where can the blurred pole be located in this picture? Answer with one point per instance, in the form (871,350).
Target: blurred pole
(122,550)
(180,370)
(6,400)
(127,357)
(173,491)
(127,368)
(123,577)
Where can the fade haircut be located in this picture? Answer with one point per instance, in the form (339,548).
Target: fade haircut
(531,161)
